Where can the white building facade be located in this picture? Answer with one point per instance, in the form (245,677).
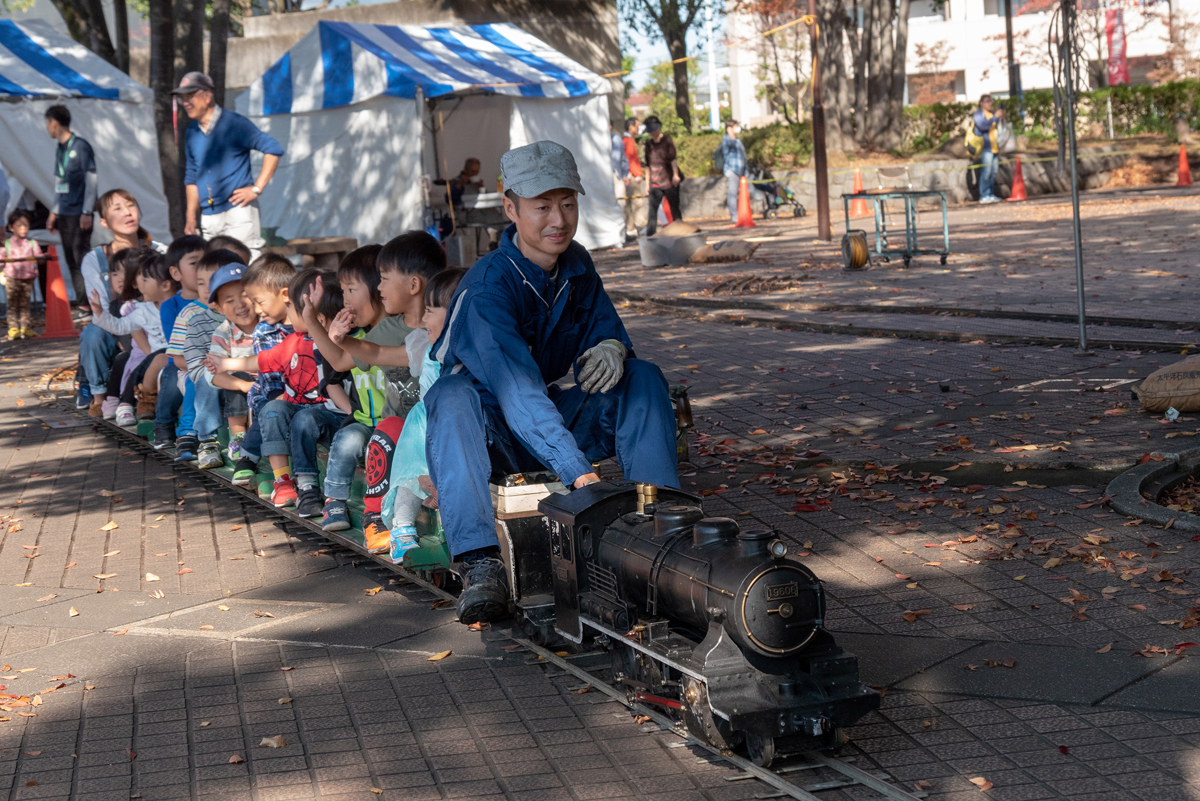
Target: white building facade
(964,45)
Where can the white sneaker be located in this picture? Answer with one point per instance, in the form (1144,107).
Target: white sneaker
(125,416)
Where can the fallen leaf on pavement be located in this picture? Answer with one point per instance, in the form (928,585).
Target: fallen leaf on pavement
(119,633)
(285,700)
(439,657)
(287,668)
(440,604)
(184,570)
(1105,649)
(152,577)
(73,612)
(206,628)
(964,607)
(981,783)
(103,576)
(48,597)
(235,759)
(1064,749)
(109,526)
(112,553)
(160,517)
(223,608)
(262,614)
(374,591)
(273,742)
(912,616)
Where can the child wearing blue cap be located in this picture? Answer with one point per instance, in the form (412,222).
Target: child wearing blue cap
(234,338)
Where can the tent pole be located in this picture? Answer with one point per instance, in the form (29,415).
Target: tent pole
(449,197)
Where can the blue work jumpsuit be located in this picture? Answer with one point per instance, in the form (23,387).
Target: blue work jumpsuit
(511,330)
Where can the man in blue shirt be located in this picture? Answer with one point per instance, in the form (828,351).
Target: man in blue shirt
(985,128)
(526,315)
(221,198)
(74,198)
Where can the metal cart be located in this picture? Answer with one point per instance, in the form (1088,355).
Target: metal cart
(857,251)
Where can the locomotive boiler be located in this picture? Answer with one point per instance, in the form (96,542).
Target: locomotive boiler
(714,623)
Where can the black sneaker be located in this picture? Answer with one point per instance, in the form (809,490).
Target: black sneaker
(244,471)
(186,448)
(310,501)
(484,597)
(164,437)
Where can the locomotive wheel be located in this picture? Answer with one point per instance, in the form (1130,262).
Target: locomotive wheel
(760,749)
(854,250)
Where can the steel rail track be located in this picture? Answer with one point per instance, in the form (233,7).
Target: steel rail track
(775,778)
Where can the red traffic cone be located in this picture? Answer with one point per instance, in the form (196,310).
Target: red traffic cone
(1018,183)
(745,216)
(858,206)
(58,309)
(1185,172)
(666,207)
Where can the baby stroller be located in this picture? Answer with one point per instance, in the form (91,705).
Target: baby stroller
(776,197)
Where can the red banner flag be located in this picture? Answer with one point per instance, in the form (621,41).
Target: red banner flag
(1118,64)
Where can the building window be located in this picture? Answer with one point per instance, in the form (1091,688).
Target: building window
(925,10)
(996,7)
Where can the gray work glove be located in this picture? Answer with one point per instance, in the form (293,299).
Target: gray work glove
(601,367)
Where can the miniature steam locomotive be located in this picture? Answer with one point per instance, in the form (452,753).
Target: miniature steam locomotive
(710,622)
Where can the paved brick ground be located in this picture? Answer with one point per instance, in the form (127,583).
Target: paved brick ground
(368,710)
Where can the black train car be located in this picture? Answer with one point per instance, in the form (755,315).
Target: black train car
(710,621)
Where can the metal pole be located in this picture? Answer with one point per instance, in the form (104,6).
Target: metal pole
(714,104)
(1014,88)
(1068,43)
(824,229)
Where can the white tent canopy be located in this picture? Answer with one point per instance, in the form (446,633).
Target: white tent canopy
(39,68)
(347,104)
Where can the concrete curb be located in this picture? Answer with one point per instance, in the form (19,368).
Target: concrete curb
(1125,491)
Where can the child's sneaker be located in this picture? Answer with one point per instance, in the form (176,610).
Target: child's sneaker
(109,407)
(186,447)
(235,446)
(210,455)
(164,437)
(284,492)
(28,333)
(124,416)
(335,516)
(403,540)
(244,471)
(14,333)
(376,537)
(83,396)
(309,501)
(147,404)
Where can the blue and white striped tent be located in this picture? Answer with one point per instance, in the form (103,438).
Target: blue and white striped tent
(342,101)
(41,67)
(342,63)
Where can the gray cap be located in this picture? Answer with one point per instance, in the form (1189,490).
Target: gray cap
(535,169)
(194,82)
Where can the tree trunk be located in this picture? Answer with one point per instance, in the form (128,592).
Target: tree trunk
(675,37)
(860,46)
(895,132)
(76,26)
(162,81)
(878,85)
(218,48)
(189,37)
(121,23)
(831,58)
(97,25)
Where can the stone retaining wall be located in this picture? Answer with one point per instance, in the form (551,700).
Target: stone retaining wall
(705,196)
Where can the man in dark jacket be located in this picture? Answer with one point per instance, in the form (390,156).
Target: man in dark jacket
(526,315)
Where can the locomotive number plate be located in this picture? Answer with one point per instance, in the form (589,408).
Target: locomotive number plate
(776,592)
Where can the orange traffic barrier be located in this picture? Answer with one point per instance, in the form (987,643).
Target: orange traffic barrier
(858,206)
(1018,183)
(745,216)
(1185,172)
(58,309)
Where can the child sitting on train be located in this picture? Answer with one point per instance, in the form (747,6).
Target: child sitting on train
(265,285)
(234,338)
(295,423)
(122,272)
(151,284)
(380,360)
(166,398)
(409,481)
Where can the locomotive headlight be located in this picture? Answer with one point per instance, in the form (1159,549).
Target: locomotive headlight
(778,549)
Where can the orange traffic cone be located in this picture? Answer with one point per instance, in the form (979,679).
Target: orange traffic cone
(666,207)
(858,206)
(1018,183)
(1185,172)
(58,309)
(745,216)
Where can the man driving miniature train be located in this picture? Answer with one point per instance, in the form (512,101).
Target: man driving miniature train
(524,316)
